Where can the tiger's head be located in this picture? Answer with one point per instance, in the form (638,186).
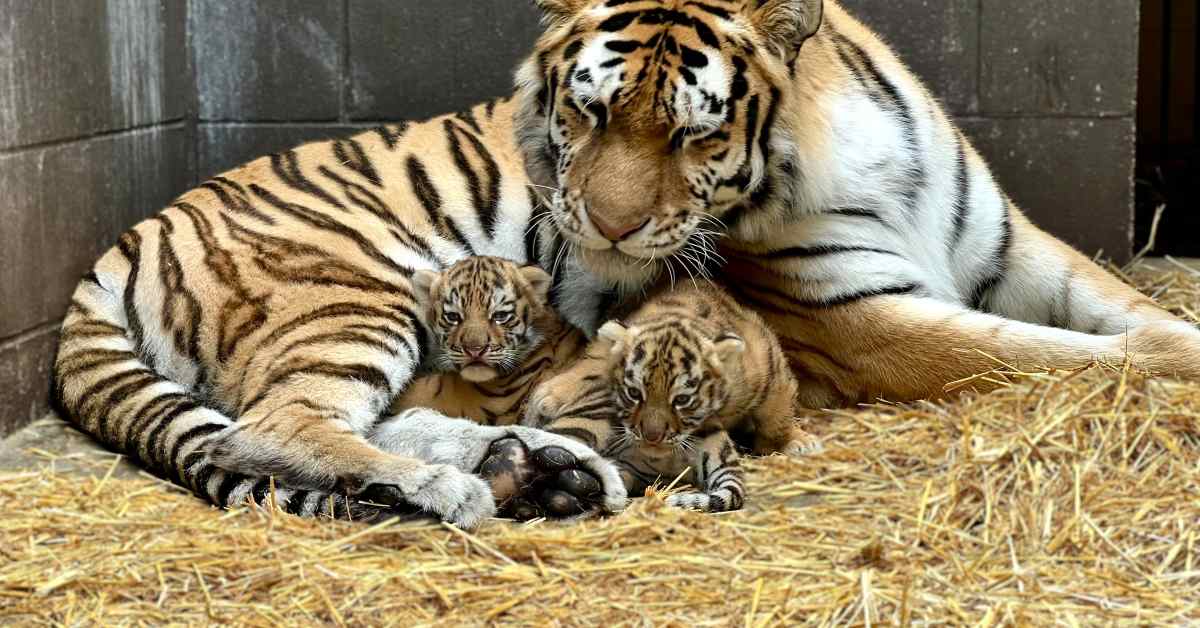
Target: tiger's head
(669,378)
(484,315)
(645,122)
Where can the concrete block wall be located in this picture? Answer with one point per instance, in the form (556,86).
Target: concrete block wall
(1046,90)
(108,108)
(272,73)
(93,136)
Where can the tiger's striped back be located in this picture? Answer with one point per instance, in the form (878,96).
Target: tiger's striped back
(275,285)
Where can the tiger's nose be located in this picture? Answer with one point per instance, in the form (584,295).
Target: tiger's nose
(475,351)
(615,232)
(654,433)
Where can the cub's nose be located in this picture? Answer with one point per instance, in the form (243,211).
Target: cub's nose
(617,231)
(475,351)
(653,433)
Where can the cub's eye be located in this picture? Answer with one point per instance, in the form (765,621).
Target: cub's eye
(501,318)
(452,318)
(682,401)
(633,394)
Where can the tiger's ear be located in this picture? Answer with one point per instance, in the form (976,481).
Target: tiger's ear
(423,281)
(616,333)
(554,10)
(726,348)
(786,24)
(539,280)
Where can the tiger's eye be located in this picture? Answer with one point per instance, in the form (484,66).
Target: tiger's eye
(452,318)
(681,401)
(501,318)
(633,394)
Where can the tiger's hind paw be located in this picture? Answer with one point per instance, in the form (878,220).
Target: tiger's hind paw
(535,474)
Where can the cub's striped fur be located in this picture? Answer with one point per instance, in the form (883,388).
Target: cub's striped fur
(261,324)
(496,337)
(686,369)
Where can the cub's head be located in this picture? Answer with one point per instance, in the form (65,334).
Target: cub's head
(645,122)
(483,314)
(669,378)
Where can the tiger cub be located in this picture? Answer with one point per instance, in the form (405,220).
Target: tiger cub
(686,370)
(494,337)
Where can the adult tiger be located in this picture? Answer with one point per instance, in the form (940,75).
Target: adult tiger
(859,222)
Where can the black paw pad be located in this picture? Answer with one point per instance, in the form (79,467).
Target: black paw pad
(554,459)
(522,509)
(561,503)
(547,482)
(579,483)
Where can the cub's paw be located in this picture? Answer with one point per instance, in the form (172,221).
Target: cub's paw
(534,474)
(440,490)
(691,500)
(543,406)
(720,500)
(803,444)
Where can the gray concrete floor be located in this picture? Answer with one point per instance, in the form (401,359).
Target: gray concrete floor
(52,443)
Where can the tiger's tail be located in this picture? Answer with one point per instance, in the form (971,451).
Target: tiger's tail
(101,383)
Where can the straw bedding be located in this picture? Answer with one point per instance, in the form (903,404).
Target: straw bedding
(1066,498)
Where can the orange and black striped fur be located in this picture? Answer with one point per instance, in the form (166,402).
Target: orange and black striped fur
(782,147)
(495,337)
(262,323)
(684,371)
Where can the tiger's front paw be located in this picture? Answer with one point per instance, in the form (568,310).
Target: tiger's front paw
(440,490)
(534,473)
(543,406)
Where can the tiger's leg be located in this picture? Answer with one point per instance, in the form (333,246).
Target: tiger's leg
(318,445)
(1050,283)
(905,347)
(1047,282)
(718,473)
(581,391)
(774,420)
(531,471)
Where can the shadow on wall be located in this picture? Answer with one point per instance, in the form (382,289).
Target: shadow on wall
(1168,153)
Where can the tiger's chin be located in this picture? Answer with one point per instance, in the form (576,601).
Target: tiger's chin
(478,373)
(613,266)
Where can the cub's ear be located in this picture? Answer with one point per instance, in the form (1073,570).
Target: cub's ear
(539,280)
(616,333)
(786,24)
(423,281)
(726,348)
(554,10)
